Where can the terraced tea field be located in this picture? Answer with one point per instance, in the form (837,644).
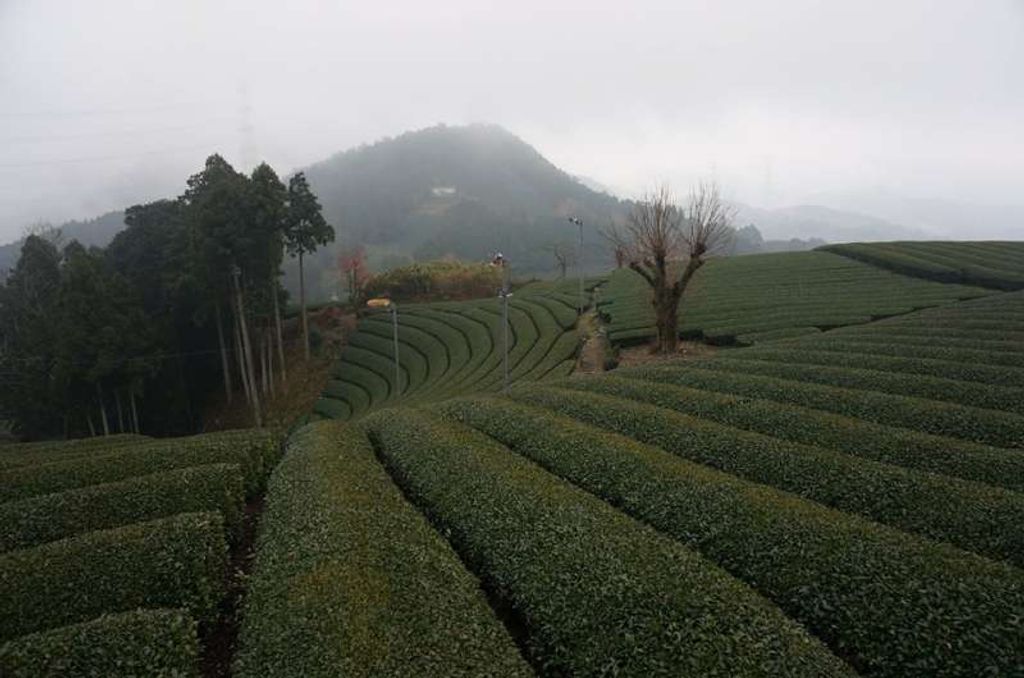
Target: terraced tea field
(763,297)
(999,265)
(845,497)
(843,503)
(453,348)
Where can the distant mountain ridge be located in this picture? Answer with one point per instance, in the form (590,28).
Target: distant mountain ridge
(470,191)
(99,232)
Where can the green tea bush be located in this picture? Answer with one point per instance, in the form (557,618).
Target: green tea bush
(597,592)
(171,562)
(352,580)
(990,264)
(254,451)
(49,517)
(990,427)
(970,515)
(888,602)
(988,361)
(842,370)
(157,643)
(452,348)
(44,452)
(961,459)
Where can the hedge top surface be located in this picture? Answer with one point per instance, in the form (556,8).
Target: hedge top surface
(159,643)
(599,593)
(994,264)
(172,562)
(887,601)
(351,579)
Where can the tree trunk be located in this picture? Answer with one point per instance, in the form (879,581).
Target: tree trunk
(224,366)
(302,306)
(265,360)
(92,429)
(240,355)
(268,337)
(247,347)
(120,414)
(667,311)
(103,410)
(666,306)
(280,338)
(135,412)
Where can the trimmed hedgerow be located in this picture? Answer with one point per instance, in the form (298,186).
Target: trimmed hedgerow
(991,427)
(990,264)
(172,562)
(973,516)
(255,451)
(350,579)
(597,592)
(888,602)
(841,371)
(49,517)
(27,454)
(152,643)
(958,458)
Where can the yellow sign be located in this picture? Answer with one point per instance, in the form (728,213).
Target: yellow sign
(379,303)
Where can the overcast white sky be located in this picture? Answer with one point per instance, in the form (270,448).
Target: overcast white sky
(104,103)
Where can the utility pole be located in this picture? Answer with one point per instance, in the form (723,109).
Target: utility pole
(579,257)
(504,294)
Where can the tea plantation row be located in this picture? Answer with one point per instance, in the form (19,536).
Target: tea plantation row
(110,556)
(994,264)
(757,298)
(831,504)
(452,348)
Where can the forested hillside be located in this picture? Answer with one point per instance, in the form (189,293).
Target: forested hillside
(462,191)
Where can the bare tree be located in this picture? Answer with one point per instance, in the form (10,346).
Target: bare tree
(564,257)
(666,244)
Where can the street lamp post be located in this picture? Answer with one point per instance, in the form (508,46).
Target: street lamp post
(579,256)
(392,308)
(504,293)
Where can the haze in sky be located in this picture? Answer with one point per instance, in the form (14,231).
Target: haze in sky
(108,103)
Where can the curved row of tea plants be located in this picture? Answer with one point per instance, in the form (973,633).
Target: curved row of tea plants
(888,602)
(351,580)
(970,515)
(995,264)
(596,591)
(756,298)
(451,348)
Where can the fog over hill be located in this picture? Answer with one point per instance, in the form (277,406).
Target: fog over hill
(470,191)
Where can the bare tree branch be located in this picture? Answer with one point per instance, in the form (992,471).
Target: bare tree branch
(659,232)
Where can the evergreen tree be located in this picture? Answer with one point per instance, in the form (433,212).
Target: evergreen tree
(306,230)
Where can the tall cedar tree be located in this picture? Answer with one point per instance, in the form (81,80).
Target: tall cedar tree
(270,198)
(29,328)
(306,231)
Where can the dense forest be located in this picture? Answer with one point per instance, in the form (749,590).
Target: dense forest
(185,300)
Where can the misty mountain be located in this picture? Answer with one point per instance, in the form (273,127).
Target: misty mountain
(467,192)
(816,222)
(948,219)
(99,232)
